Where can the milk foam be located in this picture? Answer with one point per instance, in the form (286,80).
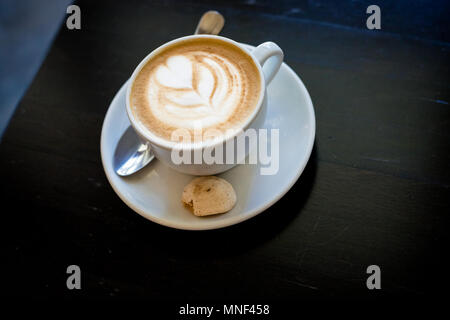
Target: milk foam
(198,84)
(194,88)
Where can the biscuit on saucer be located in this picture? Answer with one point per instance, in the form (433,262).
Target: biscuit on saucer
(209,195)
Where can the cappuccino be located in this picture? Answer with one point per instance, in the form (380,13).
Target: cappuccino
(199,83)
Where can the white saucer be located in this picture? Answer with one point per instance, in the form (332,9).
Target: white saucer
(155,191)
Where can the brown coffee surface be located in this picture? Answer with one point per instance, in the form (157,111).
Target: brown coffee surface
(200,83)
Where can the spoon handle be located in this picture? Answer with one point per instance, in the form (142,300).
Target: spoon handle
(211,22)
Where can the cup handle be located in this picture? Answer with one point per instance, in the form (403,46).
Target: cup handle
(270,56)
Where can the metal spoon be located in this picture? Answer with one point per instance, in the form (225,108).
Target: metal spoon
(131,154)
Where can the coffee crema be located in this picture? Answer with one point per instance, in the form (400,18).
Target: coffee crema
(199,83)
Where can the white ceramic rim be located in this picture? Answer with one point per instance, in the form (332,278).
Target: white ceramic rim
(172,145)
(232,220)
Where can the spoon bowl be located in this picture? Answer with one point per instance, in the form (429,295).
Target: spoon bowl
(131,154)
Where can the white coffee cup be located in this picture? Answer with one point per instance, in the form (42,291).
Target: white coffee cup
(267,55)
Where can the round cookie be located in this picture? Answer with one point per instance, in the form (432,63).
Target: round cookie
(209,195)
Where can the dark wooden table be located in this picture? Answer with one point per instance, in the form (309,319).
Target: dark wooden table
(375,191)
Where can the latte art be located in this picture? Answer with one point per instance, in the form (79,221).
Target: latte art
(198,84)
(195,86)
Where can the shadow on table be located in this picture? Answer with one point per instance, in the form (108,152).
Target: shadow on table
(244,236)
